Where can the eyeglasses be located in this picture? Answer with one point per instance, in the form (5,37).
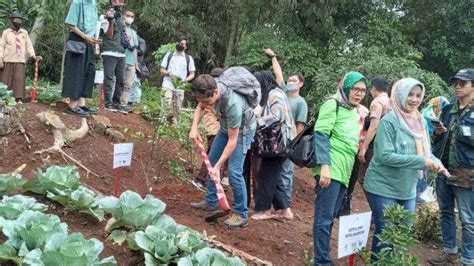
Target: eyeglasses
(459,82)
(359,90)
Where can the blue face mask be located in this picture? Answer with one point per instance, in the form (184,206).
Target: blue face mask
(292,86)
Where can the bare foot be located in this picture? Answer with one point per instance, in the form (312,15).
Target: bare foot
(285,214)
(261,215)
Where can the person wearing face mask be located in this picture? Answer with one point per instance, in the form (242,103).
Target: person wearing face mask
(113,55)
(337,133)
(178,65)
(131,62)
(402,151)
(299,112)
(15,49)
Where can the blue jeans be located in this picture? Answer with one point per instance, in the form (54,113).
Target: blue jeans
(327,203)
(235,169)
(287,178)
(464,198)
(377,204)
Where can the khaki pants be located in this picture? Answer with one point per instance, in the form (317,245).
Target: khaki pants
(128,83)
(174,99)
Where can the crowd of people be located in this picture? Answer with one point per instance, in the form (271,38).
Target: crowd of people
(389,148)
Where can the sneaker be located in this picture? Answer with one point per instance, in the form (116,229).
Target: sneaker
(203,206)
(78,111)
(90,110)
(236,220)
(124,109)
(444,258)
(199,184)
(111,107)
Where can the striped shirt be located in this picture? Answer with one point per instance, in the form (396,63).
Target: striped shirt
(16,47)
(277,109)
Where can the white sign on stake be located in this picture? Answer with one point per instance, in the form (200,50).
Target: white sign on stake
(353,233)
(122,154)
(99,77)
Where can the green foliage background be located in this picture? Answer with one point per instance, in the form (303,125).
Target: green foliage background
(427,40)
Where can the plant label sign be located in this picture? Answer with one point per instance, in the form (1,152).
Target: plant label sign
(99,77)
(353,233)
(122,154)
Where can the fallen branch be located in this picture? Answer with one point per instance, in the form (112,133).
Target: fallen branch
(88,171)
(19,169)
(23,131)
(236,252)
(63,153)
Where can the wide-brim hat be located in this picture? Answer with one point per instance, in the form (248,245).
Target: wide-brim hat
(16,14)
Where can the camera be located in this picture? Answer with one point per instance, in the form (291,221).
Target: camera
(116,10)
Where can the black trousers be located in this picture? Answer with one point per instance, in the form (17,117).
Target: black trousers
(114,75)
(270,186)
(79,72)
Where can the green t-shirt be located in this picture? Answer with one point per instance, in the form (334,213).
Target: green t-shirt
(236,106)
(83,14)
(344,140)
(130,58)
(299,108)
(394,169)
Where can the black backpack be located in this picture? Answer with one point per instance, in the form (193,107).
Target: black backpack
(301,149)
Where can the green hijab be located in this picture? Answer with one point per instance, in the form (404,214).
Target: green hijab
(345,85)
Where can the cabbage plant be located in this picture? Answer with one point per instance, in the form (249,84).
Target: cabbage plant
(9,182)
(12,207)
(54,180)
(130,209)
(62,184)
(37,239)
(82,199)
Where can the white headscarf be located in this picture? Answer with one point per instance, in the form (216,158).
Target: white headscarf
(412,123)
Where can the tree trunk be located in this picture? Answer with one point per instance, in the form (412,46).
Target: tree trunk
(63,59)
(234,24)
(38,25)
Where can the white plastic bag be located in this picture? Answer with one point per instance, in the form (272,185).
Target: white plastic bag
(429,195)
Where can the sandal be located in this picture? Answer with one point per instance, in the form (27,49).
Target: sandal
(78,111)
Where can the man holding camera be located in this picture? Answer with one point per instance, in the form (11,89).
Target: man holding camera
(112,32)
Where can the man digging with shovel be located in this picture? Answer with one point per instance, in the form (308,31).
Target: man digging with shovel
(233,97)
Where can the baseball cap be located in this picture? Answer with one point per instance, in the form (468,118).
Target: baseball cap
(464,74)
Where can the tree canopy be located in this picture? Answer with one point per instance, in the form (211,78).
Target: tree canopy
(427,40)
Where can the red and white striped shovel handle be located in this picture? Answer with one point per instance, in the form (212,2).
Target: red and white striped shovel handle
(217,181)
(35,81)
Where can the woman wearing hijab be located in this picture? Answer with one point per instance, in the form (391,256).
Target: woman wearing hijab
(337,133)
(401,152)
(270,187)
